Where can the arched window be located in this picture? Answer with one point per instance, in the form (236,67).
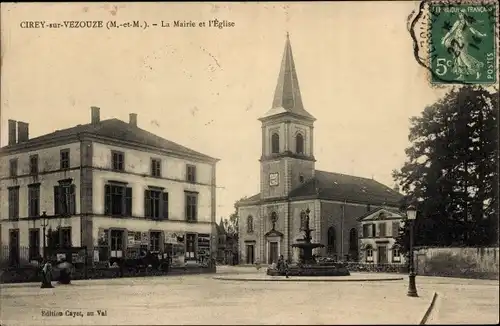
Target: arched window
(299,144)
(353,244)
(275,143)
(249,224)
(396,254)
(303,220)
(369,253)
(331,241)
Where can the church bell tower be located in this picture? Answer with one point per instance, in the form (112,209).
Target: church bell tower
(287,158)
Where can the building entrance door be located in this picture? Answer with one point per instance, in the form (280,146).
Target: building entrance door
(117,243)
(273,252)
(382,255)
(250,254)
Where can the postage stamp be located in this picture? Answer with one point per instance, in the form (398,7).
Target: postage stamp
(457,41)
(462,37)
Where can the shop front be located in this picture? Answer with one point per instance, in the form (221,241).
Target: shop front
(179,247)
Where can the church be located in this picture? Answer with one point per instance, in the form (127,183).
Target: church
(291,188)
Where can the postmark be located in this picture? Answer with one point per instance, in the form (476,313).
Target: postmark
(457,41)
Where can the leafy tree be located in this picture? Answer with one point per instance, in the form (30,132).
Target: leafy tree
(451,170)
(233,218)
(233,221)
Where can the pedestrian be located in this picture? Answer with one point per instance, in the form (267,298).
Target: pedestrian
(46,275)
(280,266)
(257,264)
(64,271)
(285,267)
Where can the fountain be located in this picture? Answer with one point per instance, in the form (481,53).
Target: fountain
(308,266)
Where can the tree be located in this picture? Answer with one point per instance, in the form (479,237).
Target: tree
(233,221)
(451,170)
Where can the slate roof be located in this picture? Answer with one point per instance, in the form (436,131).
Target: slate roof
(118,130)
(287,97)
(340,187)
(255,199)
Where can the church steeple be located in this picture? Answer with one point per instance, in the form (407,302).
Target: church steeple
(287,95)
(287,158)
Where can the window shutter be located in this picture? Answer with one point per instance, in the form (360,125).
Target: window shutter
(165,205)
(395,229)
(72,200)
(194,205)
(57,200)
(107,199)
(187,207)
(162,242)
(128,201)
(374,232)
(147,204)
(194,174)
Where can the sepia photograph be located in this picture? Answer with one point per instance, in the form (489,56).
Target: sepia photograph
(249,163)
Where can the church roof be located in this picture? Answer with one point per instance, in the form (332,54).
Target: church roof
(287,97)
(340,187)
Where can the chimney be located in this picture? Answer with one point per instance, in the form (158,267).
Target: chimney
(96,117)
(12,132)
(22,131)
(133,119)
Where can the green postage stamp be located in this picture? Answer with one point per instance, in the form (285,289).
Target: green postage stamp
(462,42)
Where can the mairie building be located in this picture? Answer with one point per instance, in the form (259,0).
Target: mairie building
(290,185)
(108,186)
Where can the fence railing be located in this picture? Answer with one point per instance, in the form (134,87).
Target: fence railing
(18,256)
(20,264)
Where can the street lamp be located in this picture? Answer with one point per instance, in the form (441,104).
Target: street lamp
(44,224)
(411,213)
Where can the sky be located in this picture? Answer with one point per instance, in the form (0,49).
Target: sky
(205,87)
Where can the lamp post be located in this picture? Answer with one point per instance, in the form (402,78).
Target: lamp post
(44,226)
(411,213)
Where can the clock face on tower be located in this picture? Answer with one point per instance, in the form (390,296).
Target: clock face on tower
(274,179)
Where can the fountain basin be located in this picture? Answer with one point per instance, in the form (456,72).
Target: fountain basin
(335,269)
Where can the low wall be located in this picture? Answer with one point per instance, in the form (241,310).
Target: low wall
(458,262)
(380,268)
(31,274)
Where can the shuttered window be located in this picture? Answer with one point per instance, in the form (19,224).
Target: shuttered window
(65,199)
(395,229)
(117,200)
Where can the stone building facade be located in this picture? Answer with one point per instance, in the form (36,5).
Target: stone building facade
(272,220)
(107,185)
(379,229)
